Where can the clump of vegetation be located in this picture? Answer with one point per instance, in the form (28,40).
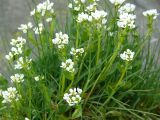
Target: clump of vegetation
(98,66)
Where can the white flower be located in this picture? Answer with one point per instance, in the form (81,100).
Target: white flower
(16,51)
(10,95)
(128,8)
(91,7)
(13,42)
(83,1)
(73,97)
(70,5)
(83,17)
(26,118)
(19,42)
(126,20)
(77,8)
(37,78)
(68,65)
(99,14)
(111,34)
(127,55)
(73,51)
(79,90)
(9,56)
(100,17)
(25,27)
(76,5)
(17,47)
(117,2)
(17,78)
(76,52)
(38,30)
(22,62)
(48,20)
(42,8)
(60,40)
(32,13)
(151,13)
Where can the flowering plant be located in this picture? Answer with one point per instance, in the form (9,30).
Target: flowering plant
(99,66)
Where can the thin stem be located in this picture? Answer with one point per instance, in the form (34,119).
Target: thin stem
(62,84)
(77,36)
(85,54)
(98,48)
(116,86)
(149,34)
(107,66)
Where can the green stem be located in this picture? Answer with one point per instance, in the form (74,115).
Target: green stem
(85,54)
(149,34)
(116,86)
(98,48)
(77,36)
(62,84)
(69,86)
(30,97)
(29,90)
(107,66)
(89,75)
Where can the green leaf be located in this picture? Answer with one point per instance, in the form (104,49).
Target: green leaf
(3,82)
(114,113)
(77,113)
(69,75)
(32,39)
(62,108)
(114,68)
(61,117)
(28,52)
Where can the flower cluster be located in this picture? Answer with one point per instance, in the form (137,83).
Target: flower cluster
(91,14)
(126,17)
(117,2)
(73,97)
(60,40)
(10,95)
(91,7)
(38,30)
(26,118)
(68,65)
(17,78)
(126,20)
(23,62)
(42,8)
(24,27)
(37,78)
(77,4)
(151,13)
(97,16)
(48,19)
(84,17)
(76,52)
(127,55)
(17,45)
(127,8)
